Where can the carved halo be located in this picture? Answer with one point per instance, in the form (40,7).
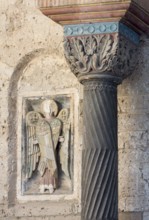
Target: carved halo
(49,106)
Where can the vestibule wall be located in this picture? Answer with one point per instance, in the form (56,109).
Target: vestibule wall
(133,107)
(32,63)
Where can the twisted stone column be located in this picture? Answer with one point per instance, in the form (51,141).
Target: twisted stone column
(100,167)
(100,62)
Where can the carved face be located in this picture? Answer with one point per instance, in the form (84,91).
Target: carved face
(33,117)
(48,109)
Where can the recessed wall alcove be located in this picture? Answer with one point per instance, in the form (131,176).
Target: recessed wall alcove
(41,75)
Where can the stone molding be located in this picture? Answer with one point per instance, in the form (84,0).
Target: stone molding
(86,13)
(94,55)
(101,85)
(51,3)
(95,28)
(101,28)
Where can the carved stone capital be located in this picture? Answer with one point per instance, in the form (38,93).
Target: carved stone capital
(89,56)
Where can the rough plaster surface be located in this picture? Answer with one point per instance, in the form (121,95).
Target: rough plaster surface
(32,60)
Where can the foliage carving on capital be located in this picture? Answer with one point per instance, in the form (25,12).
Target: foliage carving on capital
(111,53)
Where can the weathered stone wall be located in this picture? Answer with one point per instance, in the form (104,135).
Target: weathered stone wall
(32,62)
(133,109)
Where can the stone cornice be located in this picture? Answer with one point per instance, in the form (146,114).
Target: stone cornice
(62,3)
(137,18)
(87,11)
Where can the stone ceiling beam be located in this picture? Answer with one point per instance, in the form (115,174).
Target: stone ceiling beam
(69,12)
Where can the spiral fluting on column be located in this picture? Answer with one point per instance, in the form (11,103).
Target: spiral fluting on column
(100,163)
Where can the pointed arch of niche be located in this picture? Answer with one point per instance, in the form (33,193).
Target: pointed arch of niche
(66,86)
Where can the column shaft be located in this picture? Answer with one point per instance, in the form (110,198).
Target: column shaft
(100,163)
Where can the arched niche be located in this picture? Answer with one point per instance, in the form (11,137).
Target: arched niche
(41,75)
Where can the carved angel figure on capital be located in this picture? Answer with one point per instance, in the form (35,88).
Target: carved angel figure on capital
(46,130)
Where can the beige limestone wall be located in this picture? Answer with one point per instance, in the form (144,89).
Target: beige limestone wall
(133,106)
(32,61)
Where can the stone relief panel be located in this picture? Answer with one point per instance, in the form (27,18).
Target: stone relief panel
(47,145)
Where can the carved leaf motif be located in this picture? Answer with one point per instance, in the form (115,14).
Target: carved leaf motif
(77,49)
(79,53)
(90,46)
(100,53)
(76,55)
(105,47)
(70,57)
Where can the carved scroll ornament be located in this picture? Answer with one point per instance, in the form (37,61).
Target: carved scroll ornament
(111,53)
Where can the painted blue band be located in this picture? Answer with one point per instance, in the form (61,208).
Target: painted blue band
(101,28)
(129,33)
